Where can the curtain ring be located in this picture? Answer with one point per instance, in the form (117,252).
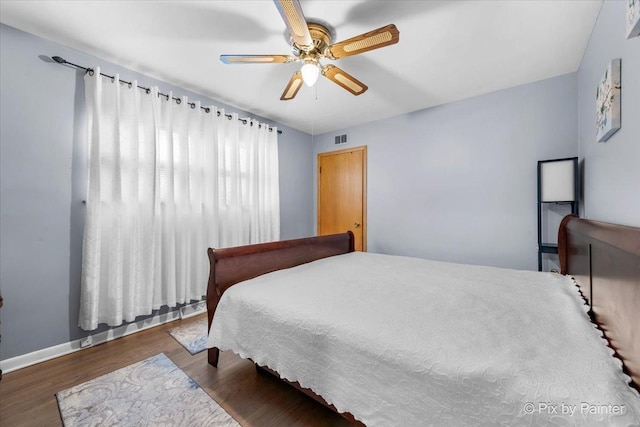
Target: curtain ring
(178,100)
(130,85)
(193,105)
(260,126)
(90,71)
(229,116)
(167,97)
(270,129)
(113,79)
(148,91)
(207,109)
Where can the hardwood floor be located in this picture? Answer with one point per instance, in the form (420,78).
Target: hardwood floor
(27,396)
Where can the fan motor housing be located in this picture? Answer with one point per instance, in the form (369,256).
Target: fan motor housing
(321,37)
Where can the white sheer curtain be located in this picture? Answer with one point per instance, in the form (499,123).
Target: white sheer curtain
(166,181)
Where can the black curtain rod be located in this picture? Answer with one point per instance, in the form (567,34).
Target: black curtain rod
(63,61)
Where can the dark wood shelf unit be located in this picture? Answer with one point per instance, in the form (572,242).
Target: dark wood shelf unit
(552,248)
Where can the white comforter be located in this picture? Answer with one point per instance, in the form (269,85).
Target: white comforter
(409,342)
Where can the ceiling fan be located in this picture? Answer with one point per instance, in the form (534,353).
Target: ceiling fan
(311,42)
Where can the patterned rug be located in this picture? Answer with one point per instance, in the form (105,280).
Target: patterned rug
(193,336)
(154,392)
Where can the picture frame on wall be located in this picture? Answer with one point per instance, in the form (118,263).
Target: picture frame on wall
(633,18)
(608,102)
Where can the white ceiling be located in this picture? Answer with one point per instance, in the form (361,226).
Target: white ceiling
(448,50)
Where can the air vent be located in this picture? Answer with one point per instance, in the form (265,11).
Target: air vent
(341,139)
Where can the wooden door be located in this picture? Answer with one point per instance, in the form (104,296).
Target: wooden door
(342,189)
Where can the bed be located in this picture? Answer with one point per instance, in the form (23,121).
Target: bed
(431,343)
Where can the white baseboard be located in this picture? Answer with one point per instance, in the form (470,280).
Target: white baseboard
(194,309)
(38,356)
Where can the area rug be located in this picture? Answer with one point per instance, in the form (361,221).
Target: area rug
(192,336)
(154,392)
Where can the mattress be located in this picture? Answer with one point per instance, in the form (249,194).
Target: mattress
(405,341)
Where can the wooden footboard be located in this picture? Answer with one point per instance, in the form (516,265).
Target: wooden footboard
(233,265)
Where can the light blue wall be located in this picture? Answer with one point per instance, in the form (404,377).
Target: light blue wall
(42,185)
(611,169)
(457,182)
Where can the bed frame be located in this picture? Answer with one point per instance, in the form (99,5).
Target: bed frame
(603,258)
(232,265)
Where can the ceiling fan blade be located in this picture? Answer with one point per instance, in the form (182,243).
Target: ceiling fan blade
(291,12)
(375,39)
(293,87)
(255,59)
(347,81)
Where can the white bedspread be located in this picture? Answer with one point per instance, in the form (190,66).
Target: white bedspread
(409,342)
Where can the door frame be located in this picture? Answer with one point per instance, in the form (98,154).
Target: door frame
(363,149)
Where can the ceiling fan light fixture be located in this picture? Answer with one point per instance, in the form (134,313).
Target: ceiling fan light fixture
(310,71)
(312,42)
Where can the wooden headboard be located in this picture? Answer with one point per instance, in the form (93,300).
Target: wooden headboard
(232,265)
(604,260)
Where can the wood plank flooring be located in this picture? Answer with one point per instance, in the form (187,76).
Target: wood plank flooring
(27,396)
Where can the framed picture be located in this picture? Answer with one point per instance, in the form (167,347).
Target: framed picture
(608,102)
(633,18)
